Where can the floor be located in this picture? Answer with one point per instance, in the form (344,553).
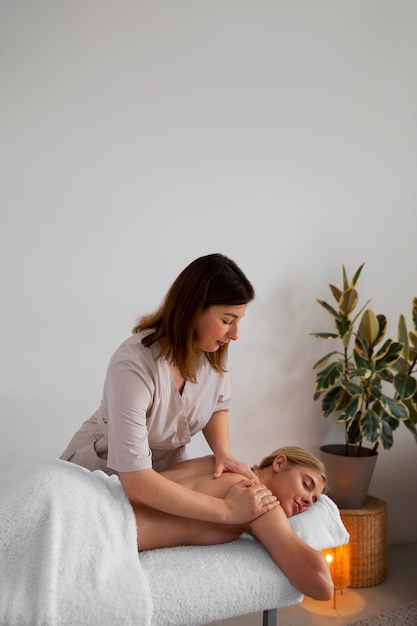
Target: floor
(399,587)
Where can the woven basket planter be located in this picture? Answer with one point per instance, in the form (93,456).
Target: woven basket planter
(367,528)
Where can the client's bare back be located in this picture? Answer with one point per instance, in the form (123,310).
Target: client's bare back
(157,529)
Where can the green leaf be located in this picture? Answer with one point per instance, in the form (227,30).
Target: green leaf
(382,328)
(345,278)
(324,360)
(395,408)
(353,432)
(342,419)
(376,395)
(331,401)
(412,354)
(392,422)
(346,338)
(352,407)
(348,301)
(370,425)
(413,338)
(325,335)
(387,438)
(360,372)
(351,388)
(327,377)
(362,347)
(336,292)
(386,375)
(401,365)
(344,328)
(361,310)
(403,335)
(328,308)
(375,388)
(405,385)
(411,405)
(411,427)
(369,326)
(388,354)
(414,313)
(357,274)
(361,361)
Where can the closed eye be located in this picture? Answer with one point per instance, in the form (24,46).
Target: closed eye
(309,487)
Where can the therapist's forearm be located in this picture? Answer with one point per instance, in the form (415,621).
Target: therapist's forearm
(243,502)
(150,488)
(216,433)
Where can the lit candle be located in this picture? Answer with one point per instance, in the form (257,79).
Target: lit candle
(338,560)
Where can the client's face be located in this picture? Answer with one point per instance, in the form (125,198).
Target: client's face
(297,487)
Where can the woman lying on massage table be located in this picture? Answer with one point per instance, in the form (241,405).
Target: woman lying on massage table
(293,475)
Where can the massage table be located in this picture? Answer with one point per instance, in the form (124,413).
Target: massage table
(68,556)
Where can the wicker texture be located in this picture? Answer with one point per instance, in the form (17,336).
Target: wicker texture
(367,528)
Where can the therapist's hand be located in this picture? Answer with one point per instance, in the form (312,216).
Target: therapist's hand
(247,500)
(233,465)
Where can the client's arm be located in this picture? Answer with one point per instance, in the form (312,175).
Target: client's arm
(306,567)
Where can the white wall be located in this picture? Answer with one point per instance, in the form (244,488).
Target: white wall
(136,136)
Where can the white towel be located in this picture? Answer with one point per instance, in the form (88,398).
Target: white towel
(68,552)
(321,525)
(236,578)
(68,557)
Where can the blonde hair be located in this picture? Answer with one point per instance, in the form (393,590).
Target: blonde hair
(296,456)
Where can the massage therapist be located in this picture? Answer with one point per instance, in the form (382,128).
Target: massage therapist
(168,381)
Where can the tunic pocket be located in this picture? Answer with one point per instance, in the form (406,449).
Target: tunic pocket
(88,457)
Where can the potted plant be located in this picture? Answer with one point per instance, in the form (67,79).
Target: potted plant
(368,384)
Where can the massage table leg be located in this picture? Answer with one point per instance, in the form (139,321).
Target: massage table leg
(269,617)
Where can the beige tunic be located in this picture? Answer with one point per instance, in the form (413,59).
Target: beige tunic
(143,421)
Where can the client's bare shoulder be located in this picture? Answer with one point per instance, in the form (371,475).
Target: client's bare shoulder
(193,467)
(197,474)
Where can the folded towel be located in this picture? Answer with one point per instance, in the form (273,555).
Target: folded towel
(68,550)
(321,525)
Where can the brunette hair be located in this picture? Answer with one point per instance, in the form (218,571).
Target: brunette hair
(296,456)
(208,281)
